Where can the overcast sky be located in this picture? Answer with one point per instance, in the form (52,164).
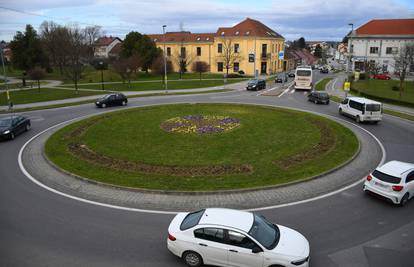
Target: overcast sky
(315,20)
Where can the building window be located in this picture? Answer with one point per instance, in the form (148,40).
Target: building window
(373,50)
(183,52)
(220,48)
(264,50)
(168,51)
(391,50)
(220,66)
(198,51)
(236,67)
(236,48)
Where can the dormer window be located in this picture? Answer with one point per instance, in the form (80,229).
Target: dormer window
(155,39)
(208,38)
(237,33)
(247,33)
(198,38)
(222,33)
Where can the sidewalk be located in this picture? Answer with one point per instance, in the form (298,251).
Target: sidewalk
(334,87)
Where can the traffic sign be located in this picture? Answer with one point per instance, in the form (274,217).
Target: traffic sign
(281,55)
(347,86)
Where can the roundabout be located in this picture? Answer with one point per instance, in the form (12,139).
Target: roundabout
(76,222)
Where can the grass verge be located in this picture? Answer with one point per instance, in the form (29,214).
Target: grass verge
(320,86)
(288,146)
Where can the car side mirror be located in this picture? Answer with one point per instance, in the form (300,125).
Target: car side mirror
(256,250)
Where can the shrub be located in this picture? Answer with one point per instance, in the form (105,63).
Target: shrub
(233,75)
(241,72)
(395,88)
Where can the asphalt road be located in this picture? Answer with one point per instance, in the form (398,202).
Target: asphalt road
(40,228)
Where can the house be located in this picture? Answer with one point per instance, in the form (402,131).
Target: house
(303,57)
(104,45)
(378,42)
(249,47)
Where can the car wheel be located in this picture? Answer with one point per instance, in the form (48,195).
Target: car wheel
(123,103)
(340,111)
(192,259)
(103,105)
(358,119)
(327,102)
(404,199)
(27,127)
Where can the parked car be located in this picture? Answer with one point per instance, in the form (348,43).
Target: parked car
(281,78)
(225,237)
(393,181)
(382,77)
(12,126)
(291,74)
(361,109)
(319,97)
(116,99)
(324,70)
(256,84)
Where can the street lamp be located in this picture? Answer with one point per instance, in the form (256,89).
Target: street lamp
(102,80)
(165,61)
(351,50)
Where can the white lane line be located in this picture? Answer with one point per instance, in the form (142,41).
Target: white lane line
(292,91)
(30,177)
(284,92)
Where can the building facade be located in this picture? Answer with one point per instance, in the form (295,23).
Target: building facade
(378,42)
(104,45)
(243,48)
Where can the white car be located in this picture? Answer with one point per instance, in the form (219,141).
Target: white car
(361,109)
(225,237)
(393,181)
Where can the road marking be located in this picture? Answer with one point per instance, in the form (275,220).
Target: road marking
(292,91)
(30,177)
(284,92)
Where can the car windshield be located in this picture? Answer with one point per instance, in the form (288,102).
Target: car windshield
(191,220)
(373,107)
(386,177)
(264,232)
(304,73)
(252,81)
(5,122)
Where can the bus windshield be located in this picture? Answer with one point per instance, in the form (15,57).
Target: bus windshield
(304,73)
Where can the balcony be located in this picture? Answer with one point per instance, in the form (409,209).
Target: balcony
(265,55)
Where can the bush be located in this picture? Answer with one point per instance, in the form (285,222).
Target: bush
(233,75)
(395,88)
(363,76)
(241,72)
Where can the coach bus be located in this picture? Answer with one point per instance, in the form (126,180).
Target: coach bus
(303,78)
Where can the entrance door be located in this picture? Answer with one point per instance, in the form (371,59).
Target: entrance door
(263,68)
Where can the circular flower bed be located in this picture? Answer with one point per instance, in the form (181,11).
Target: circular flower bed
(200,124)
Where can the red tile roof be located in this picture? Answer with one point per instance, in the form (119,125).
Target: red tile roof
(248,27)
(387,27)
(185,37)
(104,41)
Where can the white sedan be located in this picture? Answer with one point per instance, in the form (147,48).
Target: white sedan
(226,237)
(393,181)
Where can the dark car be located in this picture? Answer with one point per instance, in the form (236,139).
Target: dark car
(12,126)
(256,84)
(281,78)
(324,70)
(117,99)
(291,74)
(319,97)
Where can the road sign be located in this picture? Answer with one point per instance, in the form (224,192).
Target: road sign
(347,86)
(281,55)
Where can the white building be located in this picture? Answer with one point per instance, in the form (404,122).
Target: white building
(104,45)
(378,41)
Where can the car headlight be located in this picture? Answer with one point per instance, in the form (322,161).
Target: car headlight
(254,86)
(6,132)
(300,262)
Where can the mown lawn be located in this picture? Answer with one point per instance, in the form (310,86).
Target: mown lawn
(320,86)
(172,85)
(45,94)
(383,90)
(268,140)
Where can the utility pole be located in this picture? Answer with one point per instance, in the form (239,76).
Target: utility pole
(165,61)
(350,50)
(5,78)
(102,79)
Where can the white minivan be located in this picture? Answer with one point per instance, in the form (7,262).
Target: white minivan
(361,109)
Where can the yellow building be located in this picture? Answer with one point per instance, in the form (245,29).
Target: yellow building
(245,47)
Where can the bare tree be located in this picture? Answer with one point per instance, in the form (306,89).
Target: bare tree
(37,74)
(229,55)
(183,59)
(92,33)
(402,62)
(125,67)
(200,67)
(77,51)
(158,67)
(372,67)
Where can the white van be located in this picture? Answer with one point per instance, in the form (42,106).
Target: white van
(362,109)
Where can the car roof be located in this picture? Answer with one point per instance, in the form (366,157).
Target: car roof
(363,100)
(242,220)
(396,167)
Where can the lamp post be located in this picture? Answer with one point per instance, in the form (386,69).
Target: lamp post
(351,50)
(165,61)
(102,79)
